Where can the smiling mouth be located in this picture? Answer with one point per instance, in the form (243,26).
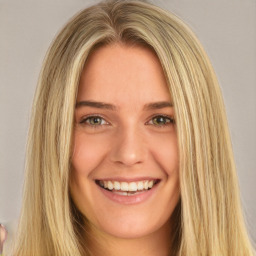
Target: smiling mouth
(127,188)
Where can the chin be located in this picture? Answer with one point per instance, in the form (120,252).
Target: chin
(133,226)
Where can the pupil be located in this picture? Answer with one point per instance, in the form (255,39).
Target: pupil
(159,120)
(96,120)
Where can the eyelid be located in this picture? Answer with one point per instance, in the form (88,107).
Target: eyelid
(149,122)
(86,117)
(171,118)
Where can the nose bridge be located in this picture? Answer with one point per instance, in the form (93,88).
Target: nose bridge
(129,146)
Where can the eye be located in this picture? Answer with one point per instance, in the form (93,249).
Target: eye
(93,121)
(161,120)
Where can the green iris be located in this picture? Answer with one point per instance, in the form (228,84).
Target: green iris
(160,120)
(95,120)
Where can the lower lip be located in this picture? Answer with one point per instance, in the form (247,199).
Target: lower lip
(132,199)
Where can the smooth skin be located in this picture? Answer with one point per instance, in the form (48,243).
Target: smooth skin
(125,136)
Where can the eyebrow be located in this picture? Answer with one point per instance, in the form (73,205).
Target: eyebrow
(95,104)
(158,105)
(103,105)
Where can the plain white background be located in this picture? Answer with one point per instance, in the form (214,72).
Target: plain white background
(226,28)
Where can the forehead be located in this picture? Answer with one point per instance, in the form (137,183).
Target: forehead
(120,72)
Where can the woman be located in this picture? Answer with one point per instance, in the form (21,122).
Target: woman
(129,150)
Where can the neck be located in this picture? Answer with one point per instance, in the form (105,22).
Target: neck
(156,243)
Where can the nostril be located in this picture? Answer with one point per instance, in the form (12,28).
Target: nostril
(128,158)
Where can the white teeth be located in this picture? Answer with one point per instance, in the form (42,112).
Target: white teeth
(124,186)
(132,186)
(127,186)
(110,185)
(146,184)
(140,185)
(150,184)
(117,185)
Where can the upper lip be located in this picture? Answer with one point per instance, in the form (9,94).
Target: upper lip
(127,179)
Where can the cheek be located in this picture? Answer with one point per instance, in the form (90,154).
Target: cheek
(88,152)
(164,149)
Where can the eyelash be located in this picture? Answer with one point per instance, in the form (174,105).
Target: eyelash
(167,119)
(85,119)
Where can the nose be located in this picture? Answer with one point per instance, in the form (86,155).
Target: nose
(129,147)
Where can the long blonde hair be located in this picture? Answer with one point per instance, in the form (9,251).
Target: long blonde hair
(209,220)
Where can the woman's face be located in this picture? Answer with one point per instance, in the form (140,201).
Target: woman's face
(125,176)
